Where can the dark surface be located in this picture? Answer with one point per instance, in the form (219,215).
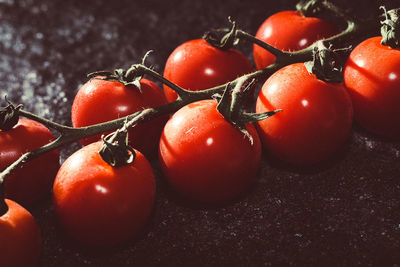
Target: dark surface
(345,212)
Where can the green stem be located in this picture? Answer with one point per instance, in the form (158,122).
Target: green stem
(248,37)
(56,126)
(138,69)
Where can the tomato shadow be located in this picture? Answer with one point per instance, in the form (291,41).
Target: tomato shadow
(179,200)
(103,252)
(374,136)
(323,165)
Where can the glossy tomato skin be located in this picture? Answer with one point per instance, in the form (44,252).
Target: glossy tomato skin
(100,205)
(289,31)
(316,118)
(99,101)
(33,180)
(206,159)
(20,238)
(196,65)
(372,76)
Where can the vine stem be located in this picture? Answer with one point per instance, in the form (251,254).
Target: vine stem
(70,134)
(283,58)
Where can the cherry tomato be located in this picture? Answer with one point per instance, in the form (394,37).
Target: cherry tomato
(372,76)
(289,31)
(101,205)
(33,180)
(316,117)
(204,157)
(20,238)
(100,101)
(196,65)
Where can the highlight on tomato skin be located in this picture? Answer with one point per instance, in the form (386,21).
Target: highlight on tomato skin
(372,77)
(20,237)
(31,182)
(315,120)
(99,101)
(289,31)
(196,65)
(204,158)
(99,205)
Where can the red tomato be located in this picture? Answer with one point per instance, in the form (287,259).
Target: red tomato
(372,76)
(204,157)
(100,101)
(20,238)
(196,65)
(33,180)
(289,31)
(101,205)
(316,117)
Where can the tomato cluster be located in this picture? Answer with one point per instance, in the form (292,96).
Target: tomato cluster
(204,156)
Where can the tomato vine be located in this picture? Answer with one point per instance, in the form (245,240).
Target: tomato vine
(354,30)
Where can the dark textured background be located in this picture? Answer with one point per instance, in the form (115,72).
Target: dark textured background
(345,212)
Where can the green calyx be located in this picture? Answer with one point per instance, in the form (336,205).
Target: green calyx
(118,75)
(390,29)
(309,8)
(327,64)
(9,116)
(227,41)
(116,151)
(231,106)
(132,76)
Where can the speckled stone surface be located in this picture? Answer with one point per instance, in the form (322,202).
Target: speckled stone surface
(345,212)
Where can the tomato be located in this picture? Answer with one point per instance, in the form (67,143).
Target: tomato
(289,31)
(100,101)
(33,180)
(196,65)
(316,117)
(204,157)
(20,238)
(101,205)
(372,76)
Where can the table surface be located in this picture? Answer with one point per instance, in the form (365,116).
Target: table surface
(344,212)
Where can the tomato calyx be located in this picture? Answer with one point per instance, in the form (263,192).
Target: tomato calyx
(390,29)
(227,41)
(118,75)
(116,151)
(132,76)
(9,115)
(327,64)
(231,106)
